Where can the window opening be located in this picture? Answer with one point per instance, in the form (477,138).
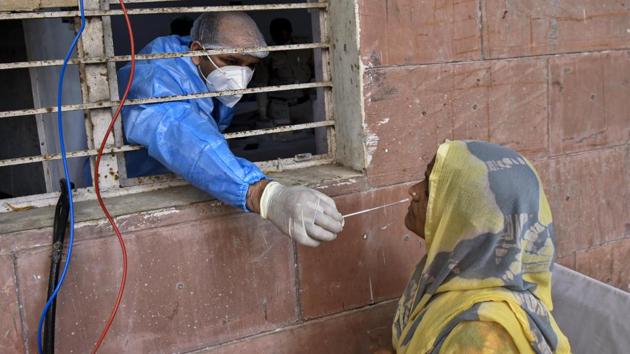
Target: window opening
(284,120)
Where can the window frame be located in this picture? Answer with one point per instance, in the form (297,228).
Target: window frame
(95,60)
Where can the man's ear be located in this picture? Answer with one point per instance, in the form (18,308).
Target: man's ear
(196,46)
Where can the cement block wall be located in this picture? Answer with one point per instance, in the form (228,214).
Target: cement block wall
(550,80)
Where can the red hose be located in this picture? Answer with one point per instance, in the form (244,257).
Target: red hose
(97,189)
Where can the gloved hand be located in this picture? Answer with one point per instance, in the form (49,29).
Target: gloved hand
(306,215)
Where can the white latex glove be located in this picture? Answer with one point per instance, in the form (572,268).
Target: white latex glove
(306,215)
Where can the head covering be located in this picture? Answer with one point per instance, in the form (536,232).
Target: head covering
(220,30)
(490,248)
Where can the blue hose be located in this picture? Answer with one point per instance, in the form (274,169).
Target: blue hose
(66,173)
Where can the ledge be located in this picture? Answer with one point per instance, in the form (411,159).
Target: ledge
(330,179)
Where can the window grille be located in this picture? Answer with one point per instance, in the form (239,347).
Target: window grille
(96,60)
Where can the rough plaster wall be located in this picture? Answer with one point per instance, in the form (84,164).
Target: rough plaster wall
(352,139)
(553,84)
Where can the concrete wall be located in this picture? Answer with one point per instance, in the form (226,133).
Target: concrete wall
(550,80)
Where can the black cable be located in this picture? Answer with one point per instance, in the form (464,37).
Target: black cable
(62,212)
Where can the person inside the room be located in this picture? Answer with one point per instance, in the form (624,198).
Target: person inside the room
(484,285)
(185,136)
(285,68)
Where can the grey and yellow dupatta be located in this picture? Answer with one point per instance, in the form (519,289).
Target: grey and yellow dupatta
(490,248)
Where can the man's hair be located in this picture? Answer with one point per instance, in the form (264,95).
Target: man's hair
(216,30)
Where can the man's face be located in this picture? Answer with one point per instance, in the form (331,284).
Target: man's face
(221,60)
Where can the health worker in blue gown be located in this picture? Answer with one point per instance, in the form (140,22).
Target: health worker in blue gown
(185,136)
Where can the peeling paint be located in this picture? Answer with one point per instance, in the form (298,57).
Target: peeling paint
(342,183)
(383,121)
(371,144)
(345,182)
(160,213)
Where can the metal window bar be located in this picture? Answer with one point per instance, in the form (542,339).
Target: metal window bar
(85,194)
(125,148)
(162,10)
(126,58)
(109,104)
(95,57)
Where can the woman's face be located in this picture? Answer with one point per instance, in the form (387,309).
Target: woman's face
(417,212)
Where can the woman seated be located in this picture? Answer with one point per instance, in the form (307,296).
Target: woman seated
(484,285)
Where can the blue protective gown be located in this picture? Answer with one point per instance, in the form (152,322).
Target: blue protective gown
(183,136)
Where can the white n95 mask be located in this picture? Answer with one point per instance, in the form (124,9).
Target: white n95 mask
(228,78)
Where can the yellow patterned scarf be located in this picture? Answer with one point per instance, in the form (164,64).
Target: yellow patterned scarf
(490,248)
